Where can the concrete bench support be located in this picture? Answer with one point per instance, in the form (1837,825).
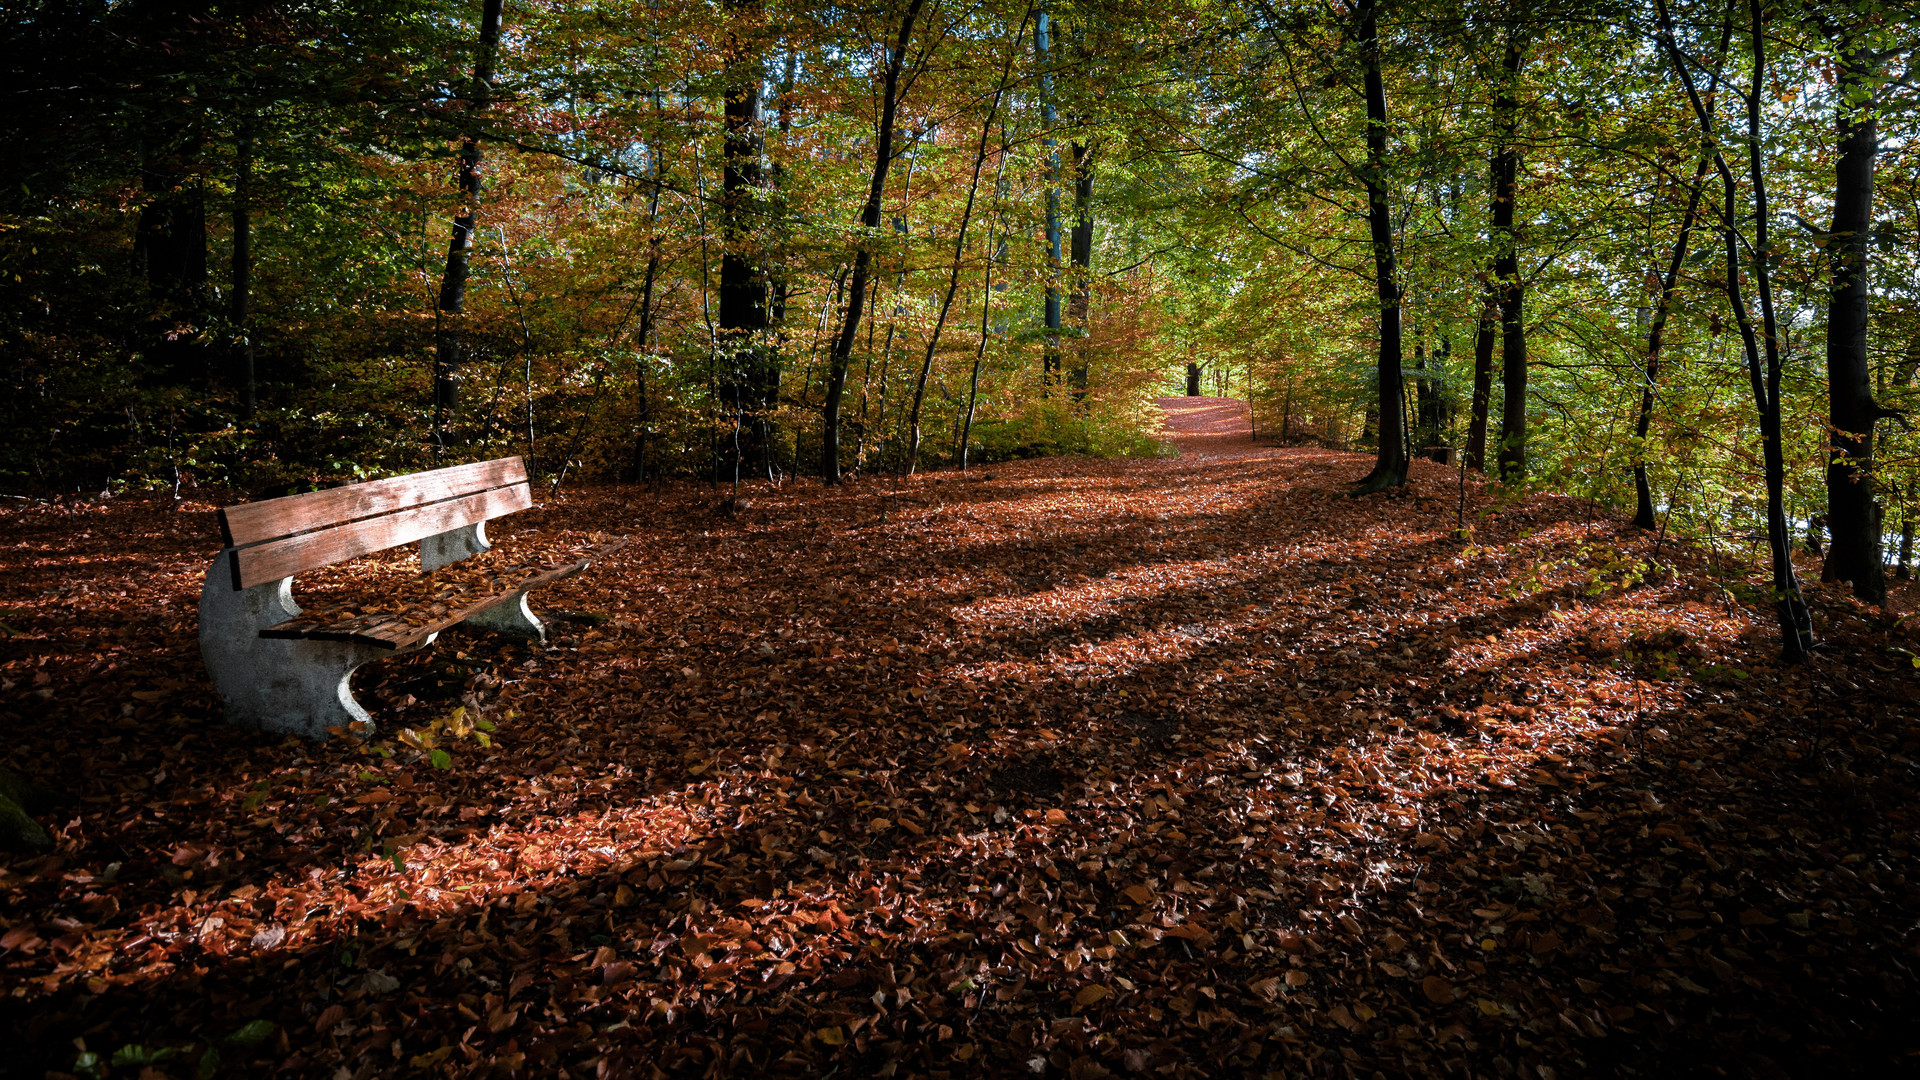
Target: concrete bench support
(296,687)
(511,615)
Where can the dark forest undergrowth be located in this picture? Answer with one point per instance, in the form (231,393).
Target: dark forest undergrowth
(1174,768)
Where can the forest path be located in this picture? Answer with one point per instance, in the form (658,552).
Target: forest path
(1210,427)
(1113,765)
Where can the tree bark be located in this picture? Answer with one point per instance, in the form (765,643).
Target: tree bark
(241,301)
(863,257)
(453,282)
(1643,516)
(1080,254)
(1390,464)
(1512,454)
(1853,513)
(1050,350)
(170,242)
(959,251)
(1485,330)
(1790,609)
(744,316)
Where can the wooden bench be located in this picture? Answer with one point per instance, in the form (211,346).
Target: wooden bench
(285,670)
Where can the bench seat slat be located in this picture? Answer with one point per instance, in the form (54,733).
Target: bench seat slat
(403,629)
(324,547)
(271,519)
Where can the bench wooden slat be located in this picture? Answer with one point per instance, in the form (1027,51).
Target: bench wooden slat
(404,629)
(324,547)
(271,519)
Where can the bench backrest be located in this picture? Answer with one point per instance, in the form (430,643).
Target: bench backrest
(277,538)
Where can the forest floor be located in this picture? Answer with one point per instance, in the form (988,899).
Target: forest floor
(1182,767)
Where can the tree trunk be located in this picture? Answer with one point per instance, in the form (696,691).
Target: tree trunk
(453,282)
(1796,624)
(1390,464)
(1483,337)
(1193,379)
(1080,253)
(1643,517)
(959,251)
(171,242)
(744,317)
(1506,271)
(1905,570)
(1426,406)
(1796,627)
(863,256)
(1050,349)
(1853,513)
(242,299)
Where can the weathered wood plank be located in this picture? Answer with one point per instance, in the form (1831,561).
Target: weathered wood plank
(324,547)
(403,629)
(271,519)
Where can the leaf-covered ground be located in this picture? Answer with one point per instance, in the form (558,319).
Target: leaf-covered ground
(1174,768)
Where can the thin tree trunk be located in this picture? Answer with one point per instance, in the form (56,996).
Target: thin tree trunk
(1905,570)
(453,282)
(863,256)
(1853,513)
(1512,453)
(1796,623)
(1390,465)
(986,301)
(1286,413)
(1080,254)
(1050,351)
(1796,627)
(1643,517)
(242,299)
(1485,330)
(959,250)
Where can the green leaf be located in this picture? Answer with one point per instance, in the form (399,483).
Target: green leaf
(88,1065)
(252,1035)
(135,1054)
(442,760)
(209,1064)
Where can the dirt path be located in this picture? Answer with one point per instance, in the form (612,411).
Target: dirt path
(1210,427)
(1176,767)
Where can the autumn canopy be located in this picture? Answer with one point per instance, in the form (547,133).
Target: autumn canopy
(1179,539)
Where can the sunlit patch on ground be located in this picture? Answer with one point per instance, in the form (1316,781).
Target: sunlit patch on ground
(1172,767)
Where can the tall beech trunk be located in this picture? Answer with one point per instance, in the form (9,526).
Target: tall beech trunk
(1643,515)
(863,255)
(1763,372)
(1050,349)
(1853,513)
(1080,255)
(1512,453)
(1390,464)
(241,301)
(744,315)
(453,282)
(959,252)
(170,242)
(779,288)
(643,334)
(1485,331)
